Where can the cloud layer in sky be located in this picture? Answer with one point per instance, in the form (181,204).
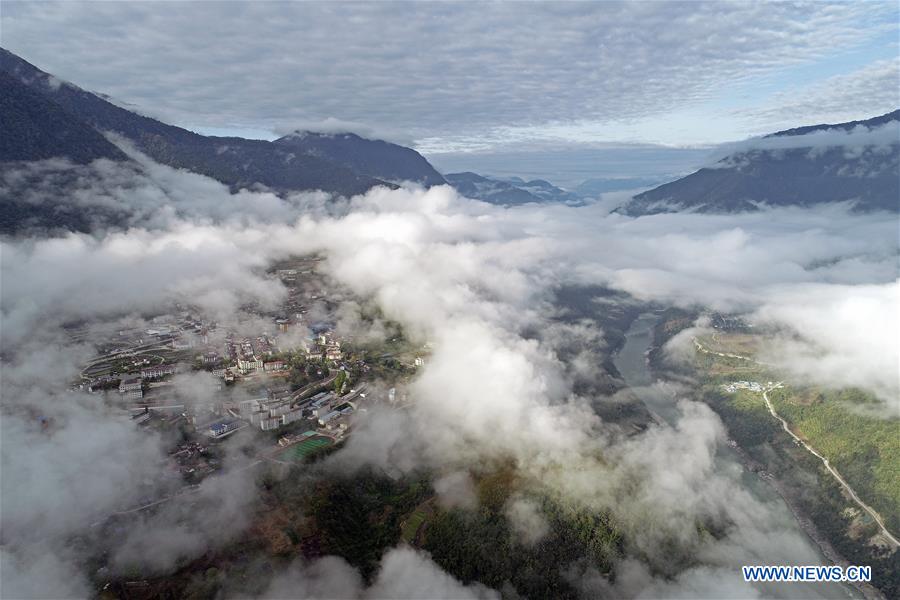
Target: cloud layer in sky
(452,73)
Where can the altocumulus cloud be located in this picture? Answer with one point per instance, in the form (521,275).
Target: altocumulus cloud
(435,69)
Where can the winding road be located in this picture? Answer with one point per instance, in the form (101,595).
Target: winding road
(784,425)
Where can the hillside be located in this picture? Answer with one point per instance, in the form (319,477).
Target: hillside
(858,161)
(510,191)
(347,165)
(374,158)
(35,128)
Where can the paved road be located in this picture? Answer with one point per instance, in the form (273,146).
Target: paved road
(832,470)
(784,425)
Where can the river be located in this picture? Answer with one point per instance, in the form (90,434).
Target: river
(632,363)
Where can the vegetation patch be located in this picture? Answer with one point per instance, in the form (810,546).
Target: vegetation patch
(298,452)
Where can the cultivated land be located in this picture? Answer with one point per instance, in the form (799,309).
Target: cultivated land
(833,455)
(862,449)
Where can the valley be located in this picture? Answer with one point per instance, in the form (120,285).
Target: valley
(782,429)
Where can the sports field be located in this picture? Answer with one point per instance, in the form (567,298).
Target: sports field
(298,451)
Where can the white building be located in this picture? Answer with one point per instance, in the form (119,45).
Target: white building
(270,423)
(250,365)
(158,371)
(290,417)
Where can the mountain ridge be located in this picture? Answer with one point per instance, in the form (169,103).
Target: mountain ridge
(237,162)
(819,172)
(509,191)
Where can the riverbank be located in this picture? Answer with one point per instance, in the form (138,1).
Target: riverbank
(641,363)
(817,501)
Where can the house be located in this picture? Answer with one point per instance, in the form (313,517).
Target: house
(278,392)
(280,409)
(250,364)
(220,428)
(323,420)
(130,384)
(274,365)
(141,417)
(290,417)
(181,343)
(270,423)
(333,351)
(158,371)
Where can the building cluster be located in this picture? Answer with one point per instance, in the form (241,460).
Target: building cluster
(192,461)
(158,371)
(287,275)
(326,346)
(96,384)
(336,417)
(273,411)
(250,355)
(743,385)
(730,323)
(280,407)
(180,332)
(131,388)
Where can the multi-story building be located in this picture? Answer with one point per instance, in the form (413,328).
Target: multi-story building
(130,384)
(333,350)
(220,428)
(158,371)
(290,417)
(275,365)
(249,364)
(270,423)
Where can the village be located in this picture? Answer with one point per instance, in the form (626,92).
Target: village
(293,384)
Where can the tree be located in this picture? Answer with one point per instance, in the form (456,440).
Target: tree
(339,381)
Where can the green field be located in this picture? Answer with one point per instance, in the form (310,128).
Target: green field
(299,451)
(865,449)
(411,527)
(843,425)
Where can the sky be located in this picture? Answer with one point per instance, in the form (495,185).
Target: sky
(566,91)
(468,86)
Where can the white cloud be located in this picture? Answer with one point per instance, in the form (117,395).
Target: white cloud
(477,281)
(436,69)
(871,90)
(404,573)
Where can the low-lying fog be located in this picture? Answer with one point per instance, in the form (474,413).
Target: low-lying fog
(474,280)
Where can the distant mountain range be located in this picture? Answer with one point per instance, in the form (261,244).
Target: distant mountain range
(43,117)
(509,191)
(804,166)
(374,158)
